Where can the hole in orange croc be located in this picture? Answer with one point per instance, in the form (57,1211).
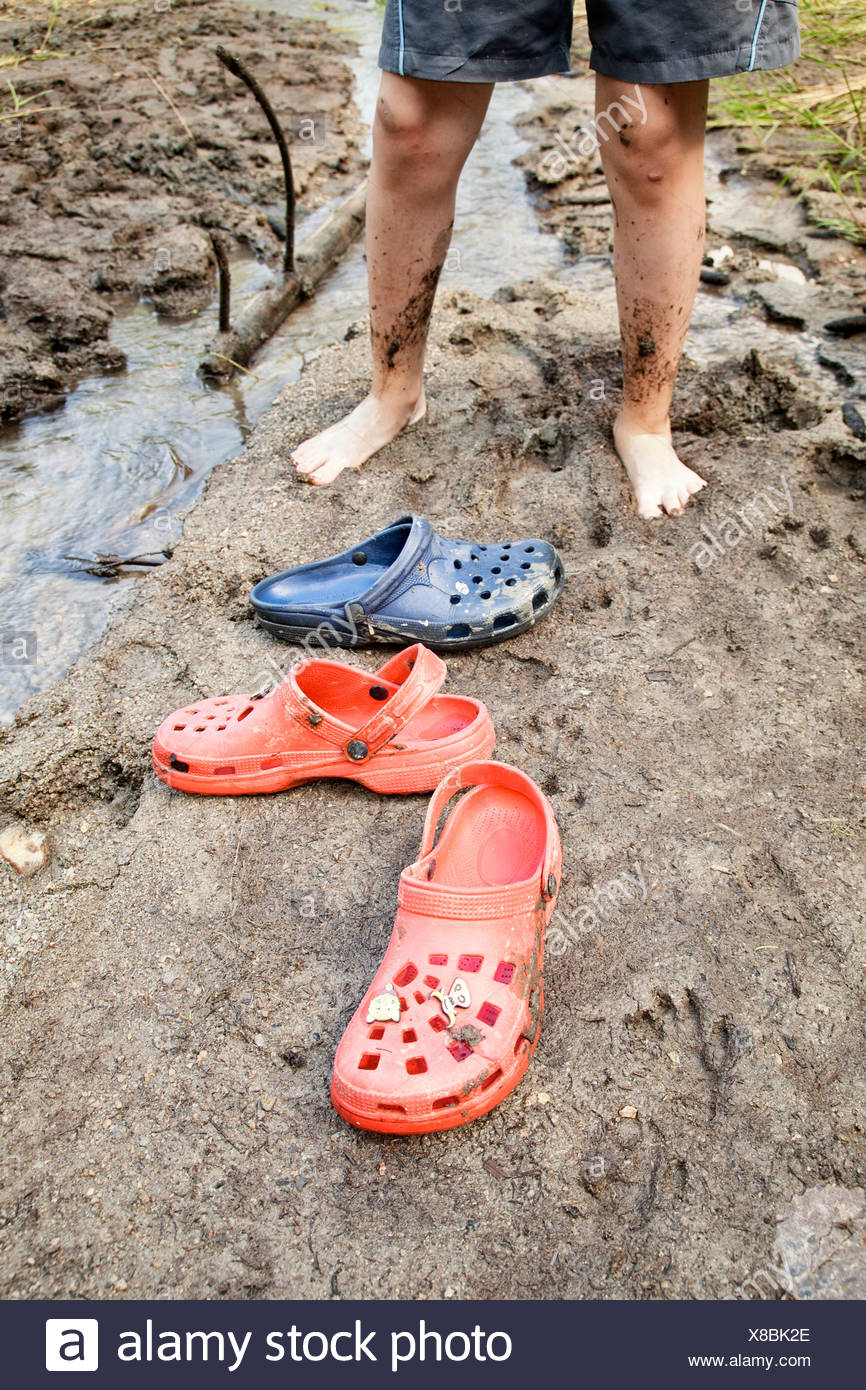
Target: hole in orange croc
(369,1061)
(415,1066)
(485,1085)
(406,975)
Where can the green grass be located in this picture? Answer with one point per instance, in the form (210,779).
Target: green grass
(813,113)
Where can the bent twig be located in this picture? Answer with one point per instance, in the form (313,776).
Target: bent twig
(240,70)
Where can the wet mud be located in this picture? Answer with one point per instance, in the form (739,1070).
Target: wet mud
(133,145)
(179,973)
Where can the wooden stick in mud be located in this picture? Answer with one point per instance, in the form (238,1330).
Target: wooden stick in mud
(240,70)
(267,310)
(225,282)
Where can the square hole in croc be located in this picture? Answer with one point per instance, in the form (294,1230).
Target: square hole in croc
(420,998)
(437,960)
(488,1013)
(504,972)
(415,1066)
(394,1109)
(431,981)
(227,771)
(377,1033)
(438,1024)
(460,1051)
(409,1035)
(268,763)
(470,963)
(406,975)
(369,1061)
(446,1102)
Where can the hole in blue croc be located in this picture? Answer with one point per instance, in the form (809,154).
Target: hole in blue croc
(511,582)
(496,570)
(539,601)
(455,598)
(458,564)
(458,630)
(503,557)
(529,549)
(504,620)
(359,557)
(526,565)
(485,593)
(476,579)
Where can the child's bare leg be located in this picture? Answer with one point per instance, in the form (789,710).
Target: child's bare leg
(422,133)
(655,173)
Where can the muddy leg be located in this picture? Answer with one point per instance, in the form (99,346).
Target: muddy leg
(654,163)
(422,133)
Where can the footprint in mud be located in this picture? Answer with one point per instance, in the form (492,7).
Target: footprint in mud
(684,1034)
(550,739)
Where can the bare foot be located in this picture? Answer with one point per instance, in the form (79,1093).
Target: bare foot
(661,482)
(349,443)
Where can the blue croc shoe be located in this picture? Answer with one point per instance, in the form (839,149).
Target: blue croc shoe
(407,584)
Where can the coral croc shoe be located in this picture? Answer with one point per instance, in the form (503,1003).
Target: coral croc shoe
(448,1026)
(390,730)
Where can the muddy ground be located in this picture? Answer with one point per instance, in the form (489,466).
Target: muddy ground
(179,973)
(130,146)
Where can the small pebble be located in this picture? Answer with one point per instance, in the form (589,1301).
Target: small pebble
(24,849)
(709,276)
(628,1112)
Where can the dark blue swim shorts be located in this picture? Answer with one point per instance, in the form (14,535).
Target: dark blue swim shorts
(633,40)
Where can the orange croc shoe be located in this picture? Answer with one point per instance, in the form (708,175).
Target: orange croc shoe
(448,1026)
(390,731)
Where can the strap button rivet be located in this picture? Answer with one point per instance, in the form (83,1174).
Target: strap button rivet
(551,885)
(357,750)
